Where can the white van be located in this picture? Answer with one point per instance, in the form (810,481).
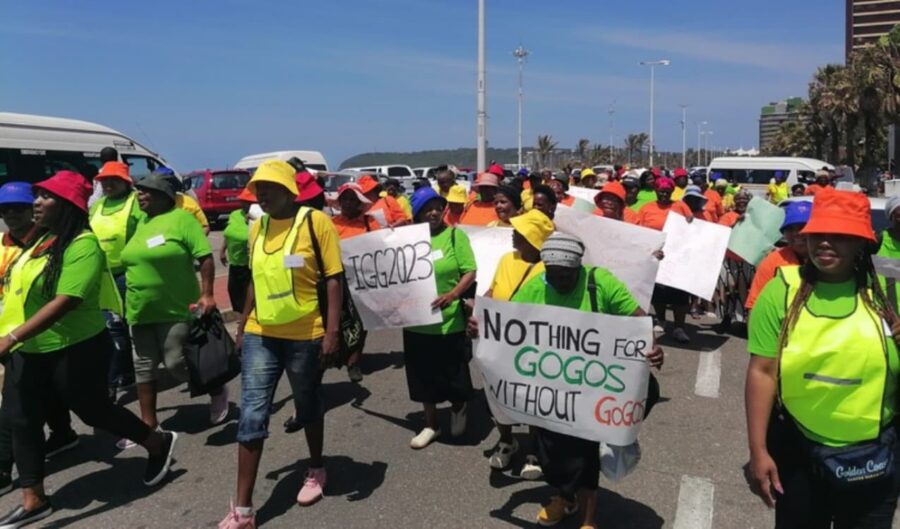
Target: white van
(32,148)
(755,173)
(390,171)
(313,160)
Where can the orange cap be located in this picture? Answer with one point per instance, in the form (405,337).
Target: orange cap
(367,183)
(842,213)
(614,188)
(246,196)
(114,170)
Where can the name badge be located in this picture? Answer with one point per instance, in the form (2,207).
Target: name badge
(293,261)
(153,242)
(437,255)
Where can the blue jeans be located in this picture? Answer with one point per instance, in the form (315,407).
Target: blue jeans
(263,360)
(121,365)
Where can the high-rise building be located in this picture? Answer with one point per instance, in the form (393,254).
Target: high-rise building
(867,20)
(774,115)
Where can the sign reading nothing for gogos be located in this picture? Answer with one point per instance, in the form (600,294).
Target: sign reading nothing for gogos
(578,373)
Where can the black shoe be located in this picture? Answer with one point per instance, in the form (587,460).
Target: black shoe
(6,484)
(59,442)
(355,373)
(291,425)
(19,517)
(158,465)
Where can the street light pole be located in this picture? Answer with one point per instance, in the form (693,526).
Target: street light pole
(708,158)
(684,136)
(481,159)
(699,141)
(612,111)
(520,53)
(653,65)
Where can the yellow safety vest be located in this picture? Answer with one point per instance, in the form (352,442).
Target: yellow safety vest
(23,275)
(273,276)
(112,230)
(8,255)
(832,371)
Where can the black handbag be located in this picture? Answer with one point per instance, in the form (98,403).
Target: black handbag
(352,334)
(210,354)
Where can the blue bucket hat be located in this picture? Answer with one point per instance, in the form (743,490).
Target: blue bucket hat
(796,213)
(16,193)
(422,196)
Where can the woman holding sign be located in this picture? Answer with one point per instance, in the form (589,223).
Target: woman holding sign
(822,381)
(516,268)
(437,368)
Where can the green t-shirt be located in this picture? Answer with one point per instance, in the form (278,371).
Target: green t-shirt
(613,296)
(644,196)
(890,247)
(114,205)
(83,262)
(831,300)
(159,268)
(451,261)
(237,234)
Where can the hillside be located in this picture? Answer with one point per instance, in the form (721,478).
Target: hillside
(458,157)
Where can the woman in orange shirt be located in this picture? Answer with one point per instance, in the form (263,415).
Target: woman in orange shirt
(353,220)
(696,201)
(561,188)
(796,215)
(653,215)
(610,202)
(481,211)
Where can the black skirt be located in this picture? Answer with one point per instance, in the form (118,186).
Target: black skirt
(569,463)
(663,295)
(437,367)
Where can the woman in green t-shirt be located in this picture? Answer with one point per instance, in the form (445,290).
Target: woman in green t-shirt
(437,369)
(823,378)
(161,287)
(52,317)
(235,254)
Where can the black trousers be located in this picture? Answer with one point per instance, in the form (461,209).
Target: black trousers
(569,463)
(239,278)
(809,502)
(78,374)
(58,420)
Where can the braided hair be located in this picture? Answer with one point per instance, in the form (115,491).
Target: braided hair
(865,278)
(72,221)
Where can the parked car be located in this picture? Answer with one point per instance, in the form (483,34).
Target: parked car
(313,160)
(217,191)
(755,172)
(392,171)
(880,221)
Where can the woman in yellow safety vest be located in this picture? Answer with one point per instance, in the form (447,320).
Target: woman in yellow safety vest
(293,250)
(114,218)
(52,318)
(822,381)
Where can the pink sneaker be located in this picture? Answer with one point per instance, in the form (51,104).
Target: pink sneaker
(235,520)
(313,487)
(218,407)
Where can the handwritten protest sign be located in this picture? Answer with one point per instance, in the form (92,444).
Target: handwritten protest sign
(584,193)
(578,373)
(391,277)
(755,236)
(694,253)
(489,245)
(624,249)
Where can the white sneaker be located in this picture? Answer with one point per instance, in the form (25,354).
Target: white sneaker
(458,421)
(658,328)
(425,438)
(503,454)
(531,471)
(218,407)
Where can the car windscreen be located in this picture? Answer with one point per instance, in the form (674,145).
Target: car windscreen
(334,182)
(230,181)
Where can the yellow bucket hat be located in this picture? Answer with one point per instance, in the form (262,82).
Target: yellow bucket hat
(277,172)
(534,226)
(457,195)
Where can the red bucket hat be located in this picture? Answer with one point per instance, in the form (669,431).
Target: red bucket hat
(496,169)
(681,171)
(308,187)
(842,213)
(69,186)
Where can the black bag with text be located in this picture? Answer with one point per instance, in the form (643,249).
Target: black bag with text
(210,354)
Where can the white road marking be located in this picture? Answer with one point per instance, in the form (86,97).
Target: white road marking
(695,504)
(708,372)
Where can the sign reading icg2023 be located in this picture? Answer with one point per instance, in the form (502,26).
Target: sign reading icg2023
(573,372)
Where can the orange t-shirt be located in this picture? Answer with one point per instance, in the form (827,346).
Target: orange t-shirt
(347,228)
(707,215)
(450,218)
(729,219)
(478,214)
(714,203)
(653,215)
(766,269)
(629,215)
(812,189)
(393,211)
(568,201)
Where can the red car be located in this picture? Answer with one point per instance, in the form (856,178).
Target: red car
(217,191)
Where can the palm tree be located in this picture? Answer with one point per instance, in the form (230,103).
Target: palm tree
(582,148)
(545,146)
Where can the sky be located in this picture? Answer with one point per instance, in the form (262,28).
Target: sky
(206,82)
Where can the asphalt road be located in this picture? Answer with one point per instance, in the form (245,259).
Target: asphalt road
(690,477)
